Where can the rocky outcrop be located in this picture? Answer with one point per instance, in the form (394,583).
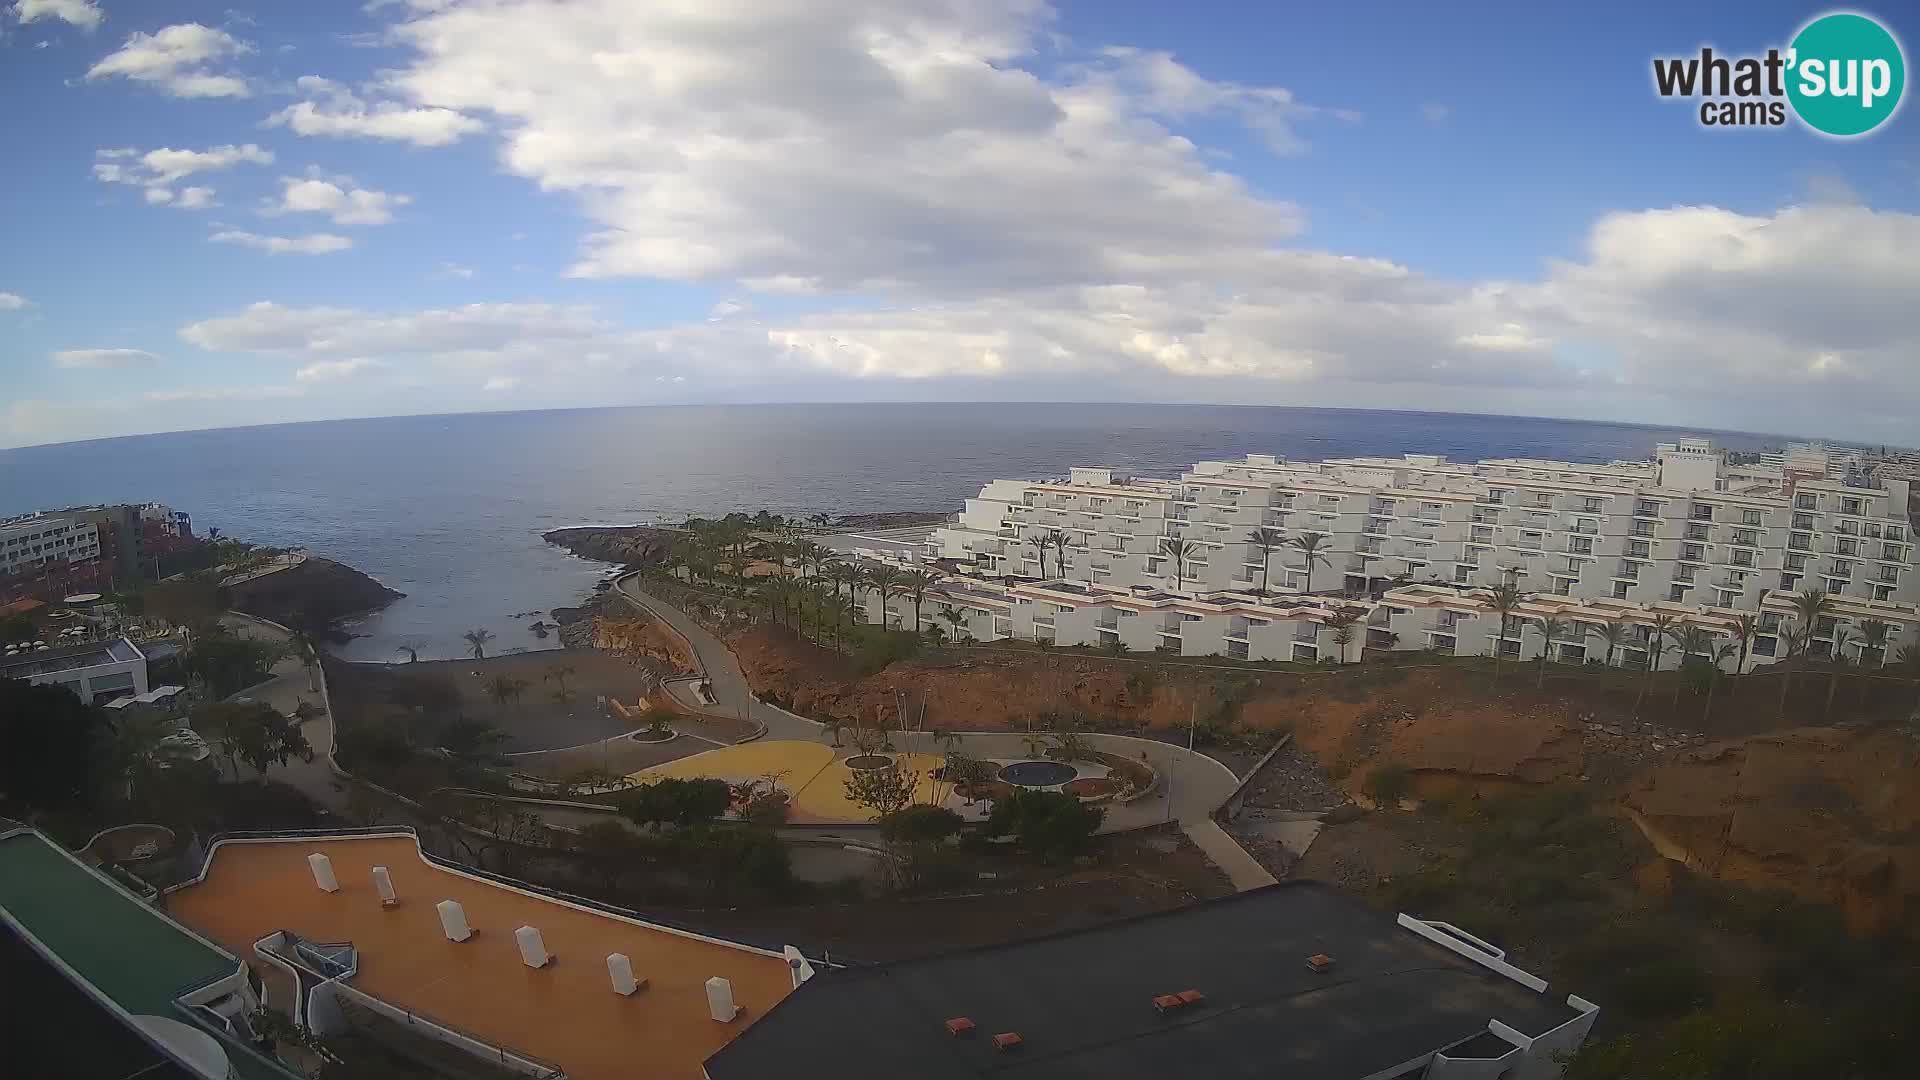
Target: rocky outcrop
(895,520)
(629,545)
(1830,814)
(314,591)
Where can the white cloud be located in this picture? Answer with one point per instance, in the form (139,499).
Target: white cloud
(337,370)
(309,244)
(195,198)
(104,358)
(226,393)
(1436,113)
(157,170)
(173,59)
(346,205)
(85,14)
(13,302)
(499,383)
(843,145)
(453,270)
(726,309)
(340,113)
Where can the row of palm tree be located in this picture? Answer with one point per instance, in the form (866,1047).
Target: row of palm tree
(1266,538)
(1868,641)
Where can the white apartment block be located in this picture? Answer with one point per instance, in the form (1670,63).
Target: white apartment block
(27,544)
(1411,543)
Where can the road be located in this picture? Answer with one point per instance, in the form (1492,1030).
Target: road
(290,687)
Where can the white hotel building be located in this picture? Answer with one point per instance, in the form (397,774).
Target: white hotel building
(1412,543)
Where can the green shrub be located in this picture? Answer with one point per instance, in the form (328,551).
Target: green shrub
(1050,824)
(1388,784)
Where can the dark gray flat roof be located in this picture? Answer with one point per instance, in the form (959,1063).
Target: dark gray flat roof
(68,658)
(1083,1001)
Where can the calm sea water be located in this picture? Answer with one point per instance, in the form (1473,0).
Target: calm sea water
(449,509)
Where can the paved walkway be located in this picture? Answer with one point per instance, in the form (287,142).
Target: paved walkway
(1192,784)
(1241,868)
(290,686)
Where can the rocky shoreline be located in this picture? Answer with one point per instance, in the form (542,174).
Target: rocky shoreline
(315,589)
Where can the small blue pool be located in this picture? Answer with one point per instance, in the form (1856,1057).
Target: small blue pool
(1038,774)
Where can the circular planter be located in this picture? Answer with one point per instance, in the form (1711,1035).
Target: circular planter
(868,762)
(1091,788)
(649,737)
(1038,774)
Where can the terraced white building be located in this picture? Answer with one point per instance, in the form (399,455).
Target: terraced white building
(1410,544)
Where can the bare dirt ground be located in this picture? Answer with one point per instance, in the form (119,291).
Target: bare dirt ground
(1134,874)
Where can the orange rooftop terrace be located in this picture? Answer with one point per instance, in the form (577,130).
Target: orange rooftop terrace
(565,1012)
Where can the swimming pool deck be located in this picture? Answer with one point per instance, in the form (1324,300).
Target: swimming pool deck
(565,1012)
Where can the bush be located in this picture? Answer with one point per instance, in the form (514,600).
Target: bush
(1050,824)
(1388,784)
(671,801)
(1661,988)
(920,825)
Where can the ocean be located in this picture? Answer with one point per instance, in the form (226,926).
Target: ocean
(449,509)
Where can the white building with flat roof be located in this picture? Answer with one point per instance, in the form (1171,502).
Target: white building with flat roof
(1683,532)
(98,672)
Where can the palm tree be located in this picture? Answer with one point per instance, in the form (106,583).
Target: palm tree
(410,646)
(1809,607)
(1503,598)
(1058,540)
(915,584)
(477,640)
(1309,546)
(1692,641)
(839,574)
(1614,633)
(1713,679)
(1873,648)
(1551,627)
(1656,639)
(1040,544)
(1745,627)
(884,582)
(820,521)
(558,675)
(1179,550)
(504,688)
(955,618)
(1842,639)
(1268,540)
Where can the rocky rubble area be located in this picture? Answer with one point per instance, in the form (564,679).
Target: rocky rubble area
(629,545)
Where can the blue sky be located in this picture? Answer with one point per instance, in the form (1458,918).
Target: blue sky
(453,205)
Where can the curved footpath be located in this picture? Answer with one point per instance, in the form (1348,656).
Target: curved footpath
(1192,785)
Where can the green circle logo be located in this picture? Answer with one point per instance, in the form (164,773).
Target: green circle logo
(1846,74)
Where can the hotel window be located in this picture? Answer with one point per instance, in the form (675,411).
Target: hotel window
(1803,521)
(1742,558)
(1883,592)
(1692,552)
(1895,532)
(1619,590)
(1800,541)
(1835,585)
(1851,528)
(1789,582)
(1646,506)
(1683,573)
(1728,598)
(1639,549)
(1796,562)
(1890,573)
(1746,537)
(1593,505)
(1749,517)
(1643,528)
(1846,547)
(1850,506)
(1701,512)
(1543,499)
(1580,545)
(1677,594)
(1806,502)
(1461,574)
(1697,532)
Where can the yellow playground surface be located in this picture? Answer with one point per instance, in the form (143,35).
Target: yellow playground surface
(813,774)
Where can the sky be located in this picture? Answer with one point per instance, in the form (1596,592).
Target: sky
(218,215)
